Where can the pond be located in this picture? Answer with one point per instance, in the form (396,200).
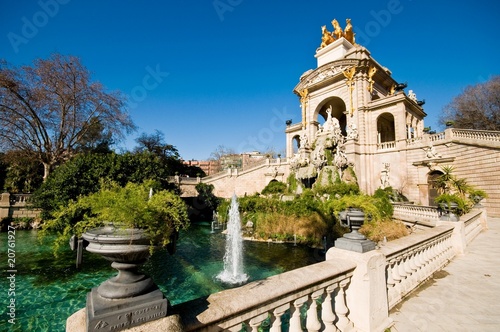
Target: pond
(48,290)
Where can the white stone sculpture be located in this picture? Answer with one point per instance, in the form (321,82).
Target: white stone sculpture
(412,95)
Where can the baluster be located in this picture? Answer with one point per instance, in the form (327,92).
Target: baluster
(397,280)
(327,314)
(295,325)
(256,321)
(427,261)
(343,322)
(402,274)
(413,267)
(419,261)
(312,323)
(276,317)
(434,257)
(390,281)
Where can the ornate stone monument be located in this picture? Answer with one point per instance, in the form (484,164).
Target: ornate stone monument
(130,298)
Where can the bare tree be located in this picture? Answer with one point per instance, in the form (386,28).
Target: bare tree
(220,152)
(52,107)
(477,107)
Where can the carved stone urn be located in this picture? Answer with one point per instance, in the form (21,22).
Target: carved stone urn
(354,219)
(354,241)
(130,298)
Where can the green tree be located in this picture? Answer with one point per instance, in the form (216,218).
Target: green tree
(22,172)
(52,109)
(168,154)
(84,173)
(477,107)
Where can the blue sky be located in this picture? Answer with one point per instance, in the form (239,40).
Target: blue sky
(221,72)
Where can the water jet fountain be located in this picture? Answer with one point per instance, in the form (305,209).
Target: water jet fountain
(233,257)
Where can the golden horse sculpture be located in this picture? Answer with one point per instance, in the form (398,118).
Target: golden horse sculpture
(348,33)
(337,32)
(329,37)
(326,38)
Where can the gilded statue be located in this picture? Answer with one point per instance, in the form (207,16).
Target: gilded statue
(326,38)
(303,101)
(349,75)
(337,30)
(348,33)
(371,73)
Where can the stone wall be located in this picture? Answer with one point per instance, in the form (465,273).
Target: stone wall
(250,181)
(15,206)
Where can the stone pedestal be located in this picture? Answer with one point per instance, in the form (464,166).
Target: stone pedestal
(356,245)
(118,314)
(130,298)
(332,52)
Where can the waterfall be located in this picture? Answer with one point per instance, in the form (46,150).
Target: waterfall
(233,257)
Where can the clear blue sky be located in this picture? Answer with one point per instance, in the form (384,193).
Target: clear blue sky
(209,73)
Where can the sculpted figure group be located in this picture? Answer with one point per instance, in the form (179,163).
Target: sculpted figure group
(329,37)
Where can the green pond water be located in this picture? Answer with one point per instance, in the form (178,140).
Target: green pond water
(48,290)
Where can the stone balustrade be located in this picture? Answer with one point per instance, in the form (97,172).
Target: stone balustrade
(416,214)
(296,295)
(475,222)
(386,145)
(16,206)
(437,137)
(476,134)
(412,260)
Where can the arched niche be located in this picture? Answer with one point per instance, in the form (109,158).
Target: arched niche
(338,111)
(295,144)
(385,128)
(432,187)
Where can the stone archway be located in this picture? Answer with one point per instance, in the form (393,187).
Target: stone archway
(432,188)
(338,108)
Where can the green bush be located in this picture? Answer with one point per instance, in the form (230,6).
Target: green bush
(274,187)
(130,206)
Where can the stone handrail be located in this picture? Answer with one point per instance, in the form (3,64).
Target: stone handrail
(476,134)
(437,137)
(19,199)
(473,224)
(266,301)
(386,145)
(416,214)
(413,259)
(244,168)
(183,179)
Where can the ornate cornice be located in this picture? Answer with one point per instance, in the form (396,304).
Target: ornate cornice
(325,73)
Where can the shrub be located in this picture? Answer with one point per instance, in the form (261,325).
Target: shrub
(132,206)
(384,229)
(274,187)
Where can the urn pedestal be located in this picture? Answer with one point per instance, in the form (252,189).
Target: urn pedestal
(449,211)
(130,298)
(354,241)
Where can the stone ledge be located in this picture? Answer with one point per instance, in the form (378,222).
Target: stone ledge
(76,323)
